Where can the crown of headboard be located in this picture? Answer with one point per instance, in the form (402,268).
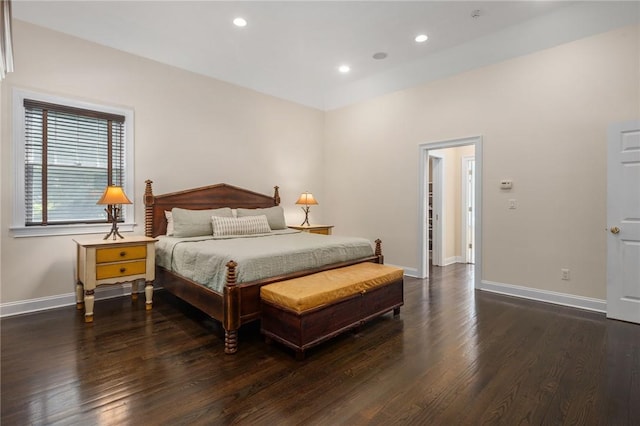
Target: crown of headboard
(205,197)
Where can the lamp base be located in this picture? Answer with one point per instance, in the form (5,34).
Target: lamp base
(113,216)
(306,216)
(114,232)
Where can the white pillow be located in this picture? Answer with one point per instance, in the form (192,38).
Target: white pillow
(169,217)
(224,226)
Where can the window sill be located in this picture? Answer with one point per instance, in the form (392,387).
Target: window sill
(46,231)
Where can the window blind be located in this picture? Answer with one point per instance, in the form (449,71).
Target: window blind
(71,155)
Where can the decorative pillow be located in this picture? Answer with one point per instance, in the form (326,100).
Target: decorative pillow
(169,217)
(275,216)
(195,223)
(223,226)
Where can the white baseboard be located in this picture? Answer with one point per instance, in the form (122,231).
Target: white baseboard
(596,305)
(102,293)
(451,260)
(68,299)
(410,272)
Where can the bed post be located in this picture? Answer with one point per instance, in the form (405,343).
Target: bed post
(276,195)
(231,310)
(378,251)
(148,208)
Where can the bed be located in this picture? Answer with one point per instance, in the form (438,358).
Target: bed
(236,301)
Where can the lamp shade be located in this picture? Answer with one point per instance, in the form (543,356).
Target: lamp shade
(307,199)
(113,195)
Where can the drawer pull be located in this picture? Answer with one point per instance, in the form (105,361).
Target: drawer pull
(123,253)
(123,270)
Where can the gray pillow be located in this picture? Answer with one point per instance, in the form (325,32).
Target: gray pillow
(195,223)
(275,216)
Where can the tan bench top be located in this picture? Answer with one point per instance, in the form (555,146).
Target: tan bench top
(311,291)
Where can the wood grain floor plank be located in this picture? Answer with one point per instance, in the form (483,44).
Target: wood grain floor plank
(453,356)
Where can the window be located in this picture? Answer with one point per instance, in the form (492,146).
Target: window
(68,152)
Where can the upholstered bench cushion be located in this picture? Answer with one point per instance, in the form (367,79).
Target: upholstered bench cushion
(311,291)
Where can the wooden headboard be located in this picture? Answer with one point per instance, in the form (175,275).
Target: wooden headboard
(206,197)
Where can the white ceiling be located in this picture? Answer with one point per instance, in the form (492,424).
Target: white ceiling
(292,49)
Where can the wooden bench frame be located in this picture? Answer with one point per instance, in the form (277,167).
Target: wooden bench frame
(301,331)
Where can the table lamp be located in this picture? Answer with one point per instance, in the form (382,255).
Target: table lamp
(306,198)
(112,197)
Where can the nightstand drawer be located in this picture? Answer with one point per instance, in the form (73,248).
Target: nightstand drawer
(322,231)
(106,255)
(124,269)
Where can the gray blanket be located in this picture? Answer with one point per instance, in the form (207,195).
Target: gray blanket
(204,259)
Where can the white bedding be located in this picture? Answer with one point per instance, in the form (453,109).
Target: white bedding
(204,259)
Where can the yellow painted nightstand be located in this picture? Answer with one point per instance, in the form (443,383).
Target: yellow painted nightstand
(101,262)
(314,229)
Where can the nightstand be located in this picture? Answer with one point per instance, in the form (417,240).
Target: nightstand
(314,229)
(101,262)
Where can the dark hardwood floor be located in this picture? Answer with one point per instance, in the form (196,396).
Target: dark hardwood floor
(454,356)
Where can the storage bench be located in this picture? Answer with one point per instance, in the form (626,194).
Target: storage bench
(303,312)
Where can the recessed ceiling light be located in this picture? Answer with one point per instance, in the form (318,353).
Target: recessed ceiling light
(344,69)
(421,38)
(240,22)
(379,55)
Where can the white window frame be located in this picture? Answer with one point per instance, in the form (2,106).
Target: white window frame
(18,227)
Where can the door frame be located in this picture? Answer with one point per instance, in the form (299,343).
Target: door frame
(464,235)
(423,155)
(437,240)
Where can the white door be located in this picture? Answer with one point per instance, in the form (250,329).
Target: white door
(623,222)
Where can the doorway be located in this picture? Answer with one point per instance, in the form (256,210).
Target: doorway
(426,151)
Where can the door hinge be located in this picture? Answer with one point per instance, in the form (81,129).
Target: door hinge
(470,245)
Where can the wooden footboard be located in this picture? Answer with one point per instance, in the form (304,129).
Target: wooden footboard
(240,302)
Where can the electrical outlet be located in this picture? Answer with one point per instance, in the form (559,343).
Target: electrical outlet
(565,274)
(512,203)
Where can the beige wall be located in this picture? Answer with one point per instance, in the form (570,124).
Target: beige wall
(543,118)
(189,131)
